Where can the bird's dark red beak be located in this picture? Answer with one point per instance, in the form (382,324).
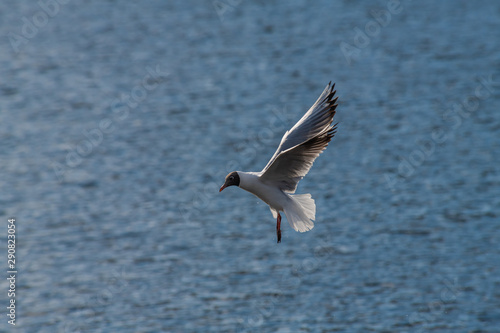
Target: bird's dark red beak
(222,187)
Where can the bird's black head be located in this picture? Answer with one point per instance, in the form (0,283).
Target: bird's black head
(231,179)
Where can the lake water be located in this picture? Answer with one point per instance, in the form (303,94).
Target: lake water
(120,120)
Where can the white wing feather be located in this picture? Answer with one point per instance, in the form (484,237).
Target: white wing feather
(302,144)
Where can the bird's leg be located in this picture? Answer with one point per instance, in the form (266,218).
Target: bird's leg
(278,228)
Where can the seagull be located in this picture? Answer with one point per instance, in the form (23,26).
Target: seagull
(299,147)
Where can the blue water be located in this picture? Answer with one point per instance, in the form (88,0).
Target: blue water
(119,122)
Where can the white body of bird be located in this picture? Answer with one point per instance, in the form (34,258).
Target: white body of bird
(300,209)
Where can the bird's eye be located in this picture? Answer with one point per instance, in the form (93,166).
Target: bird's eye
(231,178)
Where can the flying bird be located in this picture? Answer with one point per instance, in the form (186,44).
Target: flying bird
(299,147)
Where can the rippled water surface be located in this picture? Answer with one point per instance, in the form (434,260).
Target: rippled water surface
(119,121)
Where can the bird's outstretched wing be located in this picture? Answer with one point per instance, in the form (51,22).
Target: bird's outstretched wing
(303,143)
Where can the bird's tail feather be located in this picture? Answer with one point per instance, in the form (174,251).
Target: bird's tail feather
(301,212)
